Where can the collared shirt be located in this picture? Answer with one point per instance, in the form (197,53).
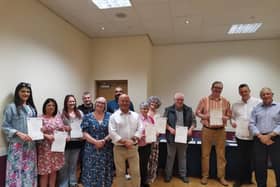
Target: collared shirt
(206,104)
(265,119)
(124,126)
(144,122)
(113,106)
(242,111)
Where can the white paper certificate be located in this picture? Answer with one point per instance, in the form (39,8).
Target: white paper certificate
(76,131)
(242,127)
(216,117)
(181,134)
(59,142)
(150,133)
(34,126)
(160,125)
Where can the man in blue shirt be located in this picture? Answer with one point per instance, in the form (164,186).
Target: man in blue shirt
(113,105)
(265,126)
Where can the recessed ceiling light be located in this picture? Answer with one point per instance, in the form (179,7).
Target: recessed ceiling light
(244,28)
(187,21)
(102,28)
(106,4)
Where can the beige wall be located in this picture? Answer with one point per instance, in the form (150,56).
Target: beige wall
(38,47)
(191,68)
(124,58)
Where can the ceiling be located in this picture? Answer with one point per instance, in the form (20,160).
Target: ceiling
(164,20)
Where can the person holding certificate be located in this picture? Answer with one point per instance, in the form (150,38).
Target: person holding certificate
(98,152)
(182,116)
(21,170)
(265,127)
(144,148)
(241,112)
(72,118)
(49,162)
(154,104)
(214,112)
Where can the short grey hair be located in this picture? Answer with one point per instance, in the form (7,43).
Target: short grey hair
(154,99)
(144,104)
(178,94)
(265,89)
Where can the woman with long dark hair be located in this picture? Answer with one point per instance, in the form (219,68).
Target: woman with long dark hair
(21,168)
(70,115)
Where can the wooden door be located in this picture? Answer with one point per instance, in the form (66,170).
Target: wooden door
(106,88)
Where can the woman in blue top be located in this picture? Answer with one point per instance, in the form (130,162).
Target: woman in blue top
(98,153)
(21,157)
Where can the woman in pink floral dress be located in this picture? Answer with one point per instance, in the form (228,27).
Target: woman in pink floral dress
(49,162)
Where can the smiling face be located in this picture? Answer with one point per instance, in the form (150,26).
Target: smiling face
(244,92)
(100,104)
(124,103)
(217,89)
(50,108)
(118,92)
(71,103)
(87,99)
(24,94)
(267,96)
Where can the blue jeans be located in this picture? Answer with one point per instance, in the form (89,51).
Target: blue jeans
(67,174)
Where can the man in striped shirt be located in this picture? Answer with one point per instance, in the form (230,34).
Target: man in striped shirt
(214,112)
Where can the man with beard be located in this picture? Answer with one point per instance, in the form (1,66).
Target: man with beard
(113,105)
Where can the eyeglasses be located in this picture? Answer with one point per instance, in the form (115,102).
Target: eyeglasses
(218,88)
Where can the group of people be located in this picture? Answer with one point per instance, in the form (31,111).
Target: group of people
(114,143)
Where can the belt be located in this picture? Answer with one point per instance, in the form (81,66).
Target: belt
(218,128)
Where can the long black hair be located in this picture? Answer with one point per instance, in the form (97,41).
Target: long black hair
(18,101)
(49,100)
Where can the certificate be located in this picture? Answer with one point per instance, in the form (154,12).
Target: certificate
(34,126)
(76,131)
(242,128)
(59,142)
(150,133)
(216,117)
(161,125)
(181,134)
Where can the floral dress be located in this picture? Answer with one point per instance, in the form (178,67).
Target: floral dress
(97,163)
(48,161)
(21,168)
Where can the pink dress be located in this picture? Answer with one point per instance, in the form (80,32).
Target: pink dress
(48,161)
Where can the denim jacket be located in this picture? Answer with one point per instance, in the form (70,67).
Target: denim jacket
(170,113)
(14,121)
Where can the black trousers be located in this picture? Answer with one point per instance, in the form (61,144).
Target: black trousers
(144,155)
(261,152)
(245,160)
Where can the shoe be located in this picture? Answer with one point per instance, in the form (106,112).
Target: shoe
(223,181)
(127,177)
(204,180)
(146,185)
(185,179)
(236,184)
(167,179)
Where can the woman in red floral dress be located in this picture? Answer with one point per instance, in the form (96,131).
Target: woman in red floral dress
(49,162)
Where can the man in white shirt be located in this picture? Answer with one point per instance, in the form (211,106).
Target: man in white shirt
(125,130)
(241,113)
